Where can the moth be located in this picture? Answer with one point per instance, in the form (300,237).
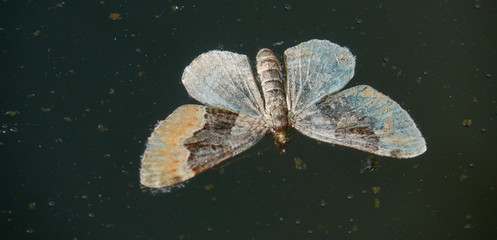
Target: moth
(235,114)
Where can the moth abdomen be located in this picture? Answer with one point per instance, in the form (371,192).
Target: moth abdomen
(271,78)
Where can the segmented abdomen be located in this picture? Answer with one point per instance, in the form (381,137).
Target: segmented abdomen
(269,72)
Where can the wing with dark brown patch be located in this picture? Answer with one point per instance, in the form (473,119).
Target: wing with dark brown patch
(362,118)
(194,138)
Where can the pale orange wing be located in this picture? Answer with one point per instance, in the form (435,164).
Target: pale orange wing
(194,138)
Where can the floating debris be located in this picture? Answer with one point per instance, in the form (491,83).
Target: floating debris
(102,128)
(12,113)
(112,91)
(32,206)
(372,164)
(115,16)
(376,203)
(467,122)
(375,189)
(299,164)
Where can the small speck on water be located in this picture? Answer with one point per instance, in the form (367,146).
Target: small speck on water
(350,197)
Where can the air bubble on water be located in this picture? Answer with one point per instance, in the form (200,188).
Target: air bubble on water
(287,7)
(488,75)
(91,215)
(323,203)
(298,222)
(138,50)
(51,203)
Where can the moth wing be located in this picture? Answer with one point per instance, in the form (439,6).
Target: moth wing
(315,69)
(194,138)
(224,79)
(362,118)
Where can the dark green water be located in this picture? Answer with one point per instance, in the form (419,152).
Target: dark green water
(80,94)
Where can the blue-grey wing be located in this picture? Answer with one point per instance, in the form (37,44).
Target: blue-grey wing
(224,79)
(315,69)
(363,118)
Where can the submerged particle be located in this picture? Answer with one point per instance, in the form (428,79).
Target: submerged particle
(115,16)
(12,113)
(375,189)
(467,226)
(209,187)
(350,196)
(175,8)
(43,109)
(475,100)
(32,206)
(467,122)
(463,177)
(36,33)
(299,164)
(376,203)
(102,128)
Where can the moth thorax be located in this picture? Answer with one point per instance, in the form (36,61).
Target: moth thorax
(271,79)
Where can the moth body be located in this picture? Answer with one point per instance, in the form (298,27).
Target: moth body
(271,80)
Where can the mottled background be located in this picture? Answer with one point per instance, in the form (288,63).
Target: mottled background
(82,88)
